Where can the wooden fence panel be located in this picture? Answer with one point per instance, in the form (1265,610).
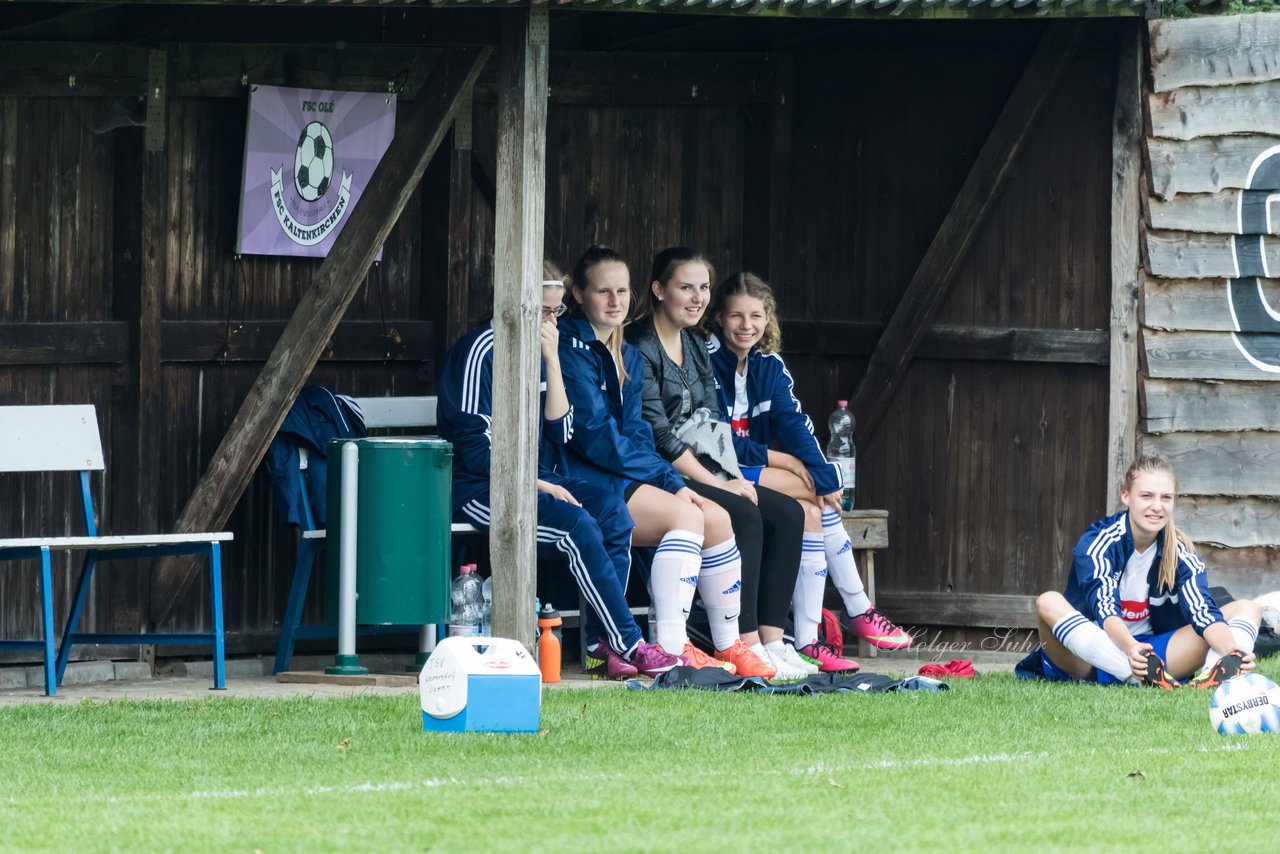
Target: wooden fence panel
(1186,255)
(1210,212)
(1231,522)
(1172,406)
(1195,304)
(1216,111)
(1216,51)
(1205,165)
(1205,355)
(1245,463)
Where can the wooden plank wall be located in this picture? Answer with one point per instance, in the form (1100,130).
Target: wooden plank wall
(1209,388)
(1010,388)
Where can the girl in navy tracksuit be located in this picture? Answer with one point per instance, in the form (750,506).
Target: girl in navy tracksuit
(776,447)
(1137,607)
(588,526)
(612,448)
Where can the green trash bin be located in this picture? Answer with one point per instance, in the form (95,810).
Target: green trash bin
(402,530)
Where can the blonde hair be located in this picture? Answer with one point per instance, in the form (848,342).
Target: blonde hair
(751,285)
(1172,534)
(581,277)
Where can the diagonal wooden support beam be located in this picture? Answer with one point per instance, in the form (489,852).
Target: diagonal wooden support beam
(418,135)
(932,281)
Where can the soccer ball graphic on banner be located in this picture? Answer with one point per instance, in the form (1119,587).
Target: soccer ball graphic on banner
(1245,704)
(313,162)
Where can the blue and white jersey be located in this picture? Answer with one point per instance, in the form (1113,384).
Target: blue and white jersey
(611,443)
(775,419)
(1098,562)
(464,413)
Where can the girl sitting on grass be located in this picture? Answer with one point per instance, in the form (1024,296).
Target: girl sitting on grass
(1137,607)
(776,448)
(612,449)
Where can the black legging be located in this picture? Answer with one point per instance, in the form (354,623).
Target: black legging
(769,537)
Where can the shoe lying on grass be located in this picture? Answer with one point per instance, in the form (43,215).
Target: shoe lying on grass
(1221,670)
(827,659)
(1157,676)
(746,661)
(699,659)
(876,629)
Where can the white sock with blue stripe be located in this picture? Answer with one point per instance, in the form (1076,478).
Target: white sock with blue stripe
(720,588)
(673,578)
(1088,642)
(1245,634)
(811,582)
(841,565)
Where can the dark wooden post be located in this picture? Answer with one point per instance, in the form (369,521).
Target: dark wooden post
(418,135)
(517,299)
(460,192)
(1126,173)
(932,280)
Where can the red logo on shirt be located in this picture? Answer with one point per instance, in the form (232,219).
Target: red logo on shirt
(1134,611)
(741,427)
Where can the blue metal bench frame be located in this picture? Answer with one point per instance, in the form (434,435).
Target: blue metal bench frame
(82,453)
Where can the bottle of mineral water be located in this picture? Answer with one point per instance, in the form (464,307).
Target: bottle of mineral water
(467,599)
(841,451)
(486,620)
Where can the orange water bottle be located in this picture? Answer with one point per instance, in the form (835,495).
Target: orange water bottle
(549,643)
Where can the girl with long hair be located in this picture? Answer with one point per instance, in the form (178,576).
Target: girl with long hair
(776,448)
(1137,607)
(678,383)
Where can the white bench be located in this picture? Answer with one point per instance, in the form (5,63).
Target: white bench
(66,439)
(380,413)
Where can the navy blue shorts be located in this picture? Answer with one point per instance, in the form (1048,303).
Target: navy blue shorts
(1049,670)
(751,473)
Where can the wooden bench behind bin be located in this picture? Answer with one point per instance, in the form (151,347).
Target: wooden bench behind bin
(868,531)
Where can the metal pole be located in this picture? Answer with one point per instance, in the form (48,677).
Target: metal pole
(346,662)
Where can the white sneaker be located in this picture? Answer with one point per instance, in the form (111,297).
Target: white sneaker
(798,660)
(776,655)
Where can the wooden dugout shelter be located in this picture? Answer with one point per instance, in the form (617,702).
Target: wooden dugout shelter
(949,199)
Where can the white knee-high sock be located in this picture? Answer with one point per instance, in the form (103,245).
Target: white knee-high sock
(1245,633)
(673,578)
(1088,642)
(841,565)
(720,587)
(811,581)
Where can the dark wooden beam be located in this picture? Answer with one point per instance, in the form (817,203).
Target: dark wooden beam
(71,69)
(932,280)
(418,135)
(254,340)
(461,188)
(995,610)
(1126,177)
(517,298)
(102,342)
(983,343)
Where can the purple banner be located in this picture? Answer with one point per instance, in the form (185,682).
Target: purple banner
(308,154)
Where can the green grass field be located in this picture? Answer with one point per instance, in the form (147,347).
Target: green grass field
(994,763)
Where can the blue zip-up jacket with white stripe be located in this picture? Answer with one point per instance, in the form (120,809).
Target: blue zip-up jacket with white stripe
(611,441)
(1098,561)
(775,419)
(464,409)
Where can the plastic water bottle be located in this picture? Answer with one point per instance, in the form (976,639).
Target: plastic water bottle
(549,643)
(841,451)
(486,619)
(467,599)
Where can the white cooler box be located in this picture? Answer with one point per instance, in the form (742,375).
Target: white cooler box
(480,684)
